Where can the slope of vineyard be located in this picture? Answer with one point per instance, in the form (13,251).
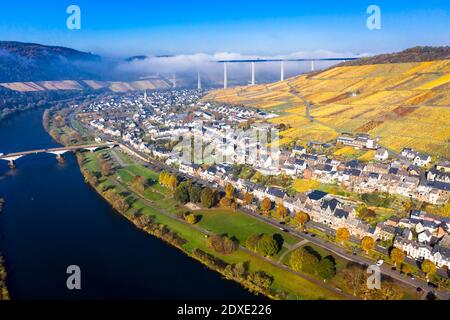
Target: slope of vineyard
(404,104)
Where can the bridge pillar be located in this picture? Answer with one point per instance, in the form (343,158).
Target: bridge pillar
(253,73)
(312,65)
(282,71)
(11,164)
(225,76)
(199,81)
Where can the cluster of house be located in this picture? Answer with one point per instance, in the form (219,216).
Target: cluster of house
(421,236)
(145,121)
(399,176)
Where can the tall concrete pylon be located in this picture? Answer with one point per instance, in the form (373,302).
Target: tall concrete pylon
(253,73)
(199,81)
(225,76)
(174,81)
(282,71)
(312,65)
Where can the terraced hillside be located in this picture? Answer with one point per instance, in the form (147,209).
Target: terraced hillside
(404,104)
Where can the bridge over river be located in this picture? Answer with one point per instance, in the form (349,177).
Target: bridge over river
(12,157)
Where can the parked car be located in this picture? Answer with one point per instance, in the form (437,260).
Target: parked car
(380,262)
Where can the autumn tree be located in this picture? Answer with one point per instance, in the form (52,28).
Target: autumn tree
(282,211)
(105,168)
(252,242)
(405,268)
(267,245)
(428,267)
(266,205)
(172,182)
(304,260)
(248,198)
(342,235)
(261,279)
(397,256)
(208,198)
(229,190)
(367,244)
(301,218)
(222,244)
(138,184)
(354,278)
(191,218)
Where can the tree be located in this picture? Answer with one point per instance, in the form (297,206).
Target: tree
(282,211)
(172,182)
(138,184)
(266,205)
(208,198)
(342,235)
(267,246)
(229,190)
(225,202)
(182,193)
(326,268)
(405,268)
(248,198)
(163,178)
(105,168)
(397,256)
(252,242)
(354,277)
(261,279)
(428,267)
(191,218)
(304,260)
(367,244)
(194,193)
(302,218)
(222,244)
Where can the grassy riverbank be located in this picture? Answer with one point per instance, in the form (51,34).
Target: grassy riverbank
(156,206)
(4,294)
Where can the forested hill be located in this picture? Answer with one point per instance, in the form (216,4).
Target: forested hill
(416,54)
(35,62)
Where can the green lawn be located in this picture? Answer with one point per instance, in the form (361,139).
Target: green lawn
(238,224)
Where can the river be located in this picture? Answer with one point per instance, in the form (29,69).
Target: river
(52,220)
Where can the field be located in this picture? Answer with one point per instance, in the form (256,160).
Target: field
(403,104)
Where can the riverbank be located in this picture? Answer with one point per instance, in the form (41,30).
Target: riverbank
(4,294)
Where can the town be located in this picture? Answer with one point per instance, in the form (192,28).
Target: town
(156,124)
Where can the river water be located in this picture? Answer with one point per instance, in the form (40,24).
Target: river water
(52,220)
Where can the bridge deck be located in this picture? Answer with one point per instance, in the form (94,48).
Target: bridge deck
(70,148)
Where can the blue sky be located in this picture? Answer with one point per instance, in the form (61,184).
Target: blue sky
(123,28)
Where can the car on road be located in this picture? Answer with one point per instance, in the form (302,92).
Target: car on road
(419,289)
(380,262)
